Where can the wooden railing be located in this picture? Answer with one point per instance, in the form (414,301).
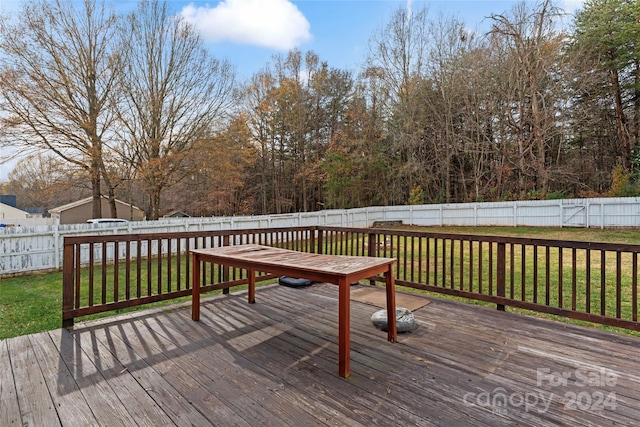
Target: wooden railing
(104,273)
(595,282)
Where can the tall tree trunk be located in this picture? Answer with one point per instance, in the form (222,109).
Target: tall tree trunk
(95,189)
(621,119)
(110,193)
(154,203)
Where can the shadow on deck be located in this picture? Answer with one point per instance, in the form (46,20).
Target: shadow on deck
(275,363)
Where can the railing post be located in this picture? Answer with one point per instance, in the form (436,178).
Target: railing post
(312,240)
(501,276)
(372,249)
(67,284)
(225,269)
(320,247)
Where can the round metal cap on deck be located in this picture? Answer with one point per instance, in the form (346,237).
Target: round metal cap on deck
(294,282)
(405,322)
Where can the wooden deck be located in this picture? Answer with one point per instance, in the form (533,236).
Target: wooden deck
(275,363)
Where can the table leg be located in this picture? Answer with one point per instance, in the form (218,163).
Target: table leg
(344,368)
(195,288)
(252,286)
(392,330)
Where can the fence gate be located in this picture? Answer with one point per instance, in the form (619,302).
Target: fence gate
(574,215)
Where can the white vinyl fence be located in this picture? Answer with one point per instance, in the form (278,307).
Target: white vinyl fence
(25,249)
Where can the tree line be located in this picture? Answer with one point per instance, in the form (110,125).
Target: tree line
(134,107)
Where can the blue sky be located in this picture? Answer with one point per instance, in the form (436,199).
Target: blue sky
(249,32)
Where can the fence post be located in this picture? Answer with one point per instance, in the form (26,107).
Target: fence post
(56,246)
(501,285)
(67,285)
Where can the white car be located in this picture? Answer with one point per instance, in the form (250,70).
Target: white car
(114,221)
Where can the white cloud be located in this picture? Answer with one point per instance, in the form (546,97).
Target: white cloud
(276,24)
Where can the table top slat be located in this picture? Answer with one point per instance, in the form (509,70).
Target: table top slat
(266,256)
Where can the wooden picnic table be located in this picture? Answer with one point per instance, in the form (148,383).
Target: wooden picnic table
(337,269)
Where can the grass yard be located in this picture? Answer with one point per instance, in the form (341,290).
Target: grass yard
(30,304)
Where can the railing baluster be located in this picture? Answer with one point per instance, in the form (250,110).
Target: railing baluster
(451,263)
(480,262)
(471,245)
(128,270)
(535,274)
(512,273)
(435,261)
(179,263)
(91,273)
(444,263)
(187,264)
(461,265)
(104,273)
(501,273)
(149,275)
(169,269)
(523,273)
(159,266)
(428,261)
(603,282)
(560,282)
(78,276)
(491,268)
(116,273)
(634,286)
(588,280)
(574,279)
(547,275)
(618,284)
(404,256)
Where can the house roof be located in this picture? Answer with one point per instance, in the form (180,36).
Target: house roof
(176,214)
(10,212)
(35,210)
(84,202)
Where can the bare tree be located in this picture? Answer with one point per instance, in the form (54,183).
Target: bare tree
(399,52)
(174,92)
(260,111)
(45,180)
(445,89)
(530,48)
(58,67)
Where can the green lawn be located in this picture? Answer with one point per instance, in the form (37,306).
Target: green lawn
(30,304)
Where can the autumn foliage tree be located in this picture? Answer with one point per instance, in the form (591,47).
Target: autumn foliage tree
(219,167)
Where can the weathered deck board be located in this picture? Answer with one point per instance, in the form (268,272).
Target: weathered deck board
(10,413)
(275,363)
(36,406)
(65,394)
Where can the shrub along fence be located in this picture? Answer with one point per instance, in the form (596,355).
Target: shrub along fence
(595,282)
